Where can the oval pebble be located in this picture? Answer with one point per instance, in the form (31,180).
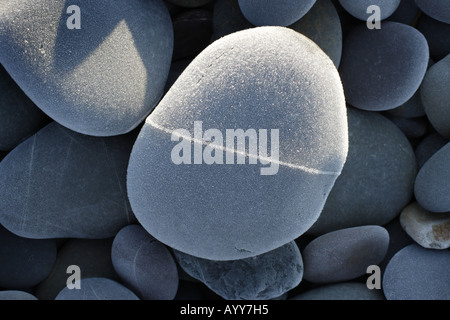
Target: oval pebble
(211,210)
(428,146)
(437,9)
(144,264)
(97,289)
(340,291)
(20,118)
(102,79)
(436,33)
(432,183)
(377,181)
(429,229)
(274,13)
(417,273)
(92,256)
(385,78)
(63,184)
(16,295)
(359,8)
(24,262)
(436,96)
(344,254)
(263,277)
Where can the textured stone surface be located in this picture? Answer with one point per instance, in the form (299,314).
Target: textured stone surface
(225,212)
(436,96)
(93,256)
(16,295)
(274,13)
(387,77)
(429,229)
(19,116)
(144,264)
(340,291)
(437,9)
(344,254)
(24,262)
(378,177)
(61,184)
(358,8)
(102,79)
(262,277)
(97,289)
(416,273)
(432,185)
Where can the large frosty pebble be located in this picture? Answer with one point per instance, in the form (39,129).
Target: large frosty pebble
(102,79)
(210,197)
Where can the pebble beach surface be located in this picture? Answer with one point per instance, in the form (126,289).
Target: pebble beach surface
(225,150)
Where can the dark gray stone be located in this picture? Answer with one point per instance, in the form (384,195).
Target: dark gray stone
(340,291)
(24,262)
(144,264)
(97,289)
(19,116)
(344,254)
(274,13)
(413,128)
(227,19)
(382,69)
(100,80)
(416,273)
(262,277)
(437,9)
(378,177)
(358,8)
(228,212)
(62,184)
(322,25)
(16,295)
(92,256)
(428,146)
(435,96)
(432,185)
(436,33)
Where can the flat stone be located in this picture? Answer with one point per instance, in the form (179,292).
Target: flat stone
(433,182)
(417,273)
(429,229)
(344,254)
(102,79)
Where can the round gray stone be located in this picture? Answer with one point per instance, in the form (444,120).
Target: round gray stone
(344,254)
(224,211)
(358,8)
(144,264)
(97,289)
(16,295)
(377,181)
(417,273)
(428,146)
(274,13)
(63,184)
(102,79)
(24,262)
(263,277)
(436,96)
(340,291)
(432,183)
(385,78)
